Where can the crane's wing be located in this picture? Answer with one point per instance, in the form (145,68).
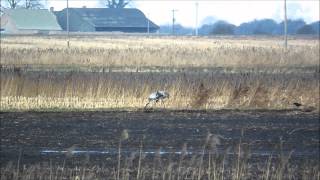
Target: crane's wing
(153,96)
(164,94)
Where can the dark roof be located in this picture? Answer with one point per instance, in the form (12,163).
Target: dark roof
(113,17)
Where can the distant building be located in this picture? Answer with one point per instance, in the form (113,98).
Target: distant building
(105,20)
(28,21)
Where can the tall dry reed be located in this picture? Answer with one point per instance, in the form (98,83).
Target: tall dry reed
(26,90)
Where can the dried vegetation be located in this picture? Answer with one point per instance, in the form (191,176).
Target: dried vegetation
(139,52)
(119,72)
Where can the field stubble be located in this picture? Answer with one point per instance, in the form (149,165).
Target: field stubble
(169,52)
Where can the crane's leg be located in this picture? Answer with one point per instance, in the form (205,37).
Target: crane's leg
(162,102)
(154,103)
(145,107)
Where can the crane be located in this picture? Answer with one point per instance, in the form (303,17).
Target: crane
(156,97)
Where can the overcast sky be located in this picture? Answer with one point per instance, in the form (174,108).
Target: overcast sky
(233,11)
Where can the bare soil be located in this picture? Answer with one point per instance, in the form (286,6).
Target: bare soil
(42,136)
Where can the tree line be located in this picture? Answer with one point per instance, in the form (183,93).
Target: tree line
(38,4)
(255,27)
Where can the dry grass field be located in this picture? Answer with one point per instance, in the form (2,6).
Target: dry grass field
(98,72)
(172,52)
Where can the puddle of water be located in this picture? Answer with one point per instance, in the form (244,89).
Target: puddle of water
(95,152)
(256,153)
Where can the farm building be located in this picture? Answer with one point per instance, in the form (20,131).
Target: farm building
(105,20)
(28,21)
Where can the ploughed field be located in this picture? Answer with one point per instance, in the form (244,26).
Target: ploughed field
(42,136)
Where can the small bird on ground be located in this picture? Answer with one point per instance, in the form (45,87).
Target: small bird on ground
(157,96)
(297,104)
(304,108)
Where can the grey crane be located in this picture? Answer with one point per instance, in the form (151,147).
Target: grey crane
(157,96)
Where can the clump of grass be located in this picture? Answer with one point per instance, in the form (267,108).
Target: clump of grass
(201,97)
(124,136)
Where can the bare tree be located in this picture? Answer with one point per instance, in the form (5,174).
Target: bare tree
(13,4)
(285,25)
(1,8)
(28,4)
(117,3)
(33,4)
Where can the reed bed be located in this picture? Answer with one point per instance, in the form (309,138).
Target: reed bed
(173,52)
(30,90)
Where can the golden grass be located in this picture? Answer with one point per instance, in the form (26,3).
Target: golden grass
(202,90)
(173,52)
